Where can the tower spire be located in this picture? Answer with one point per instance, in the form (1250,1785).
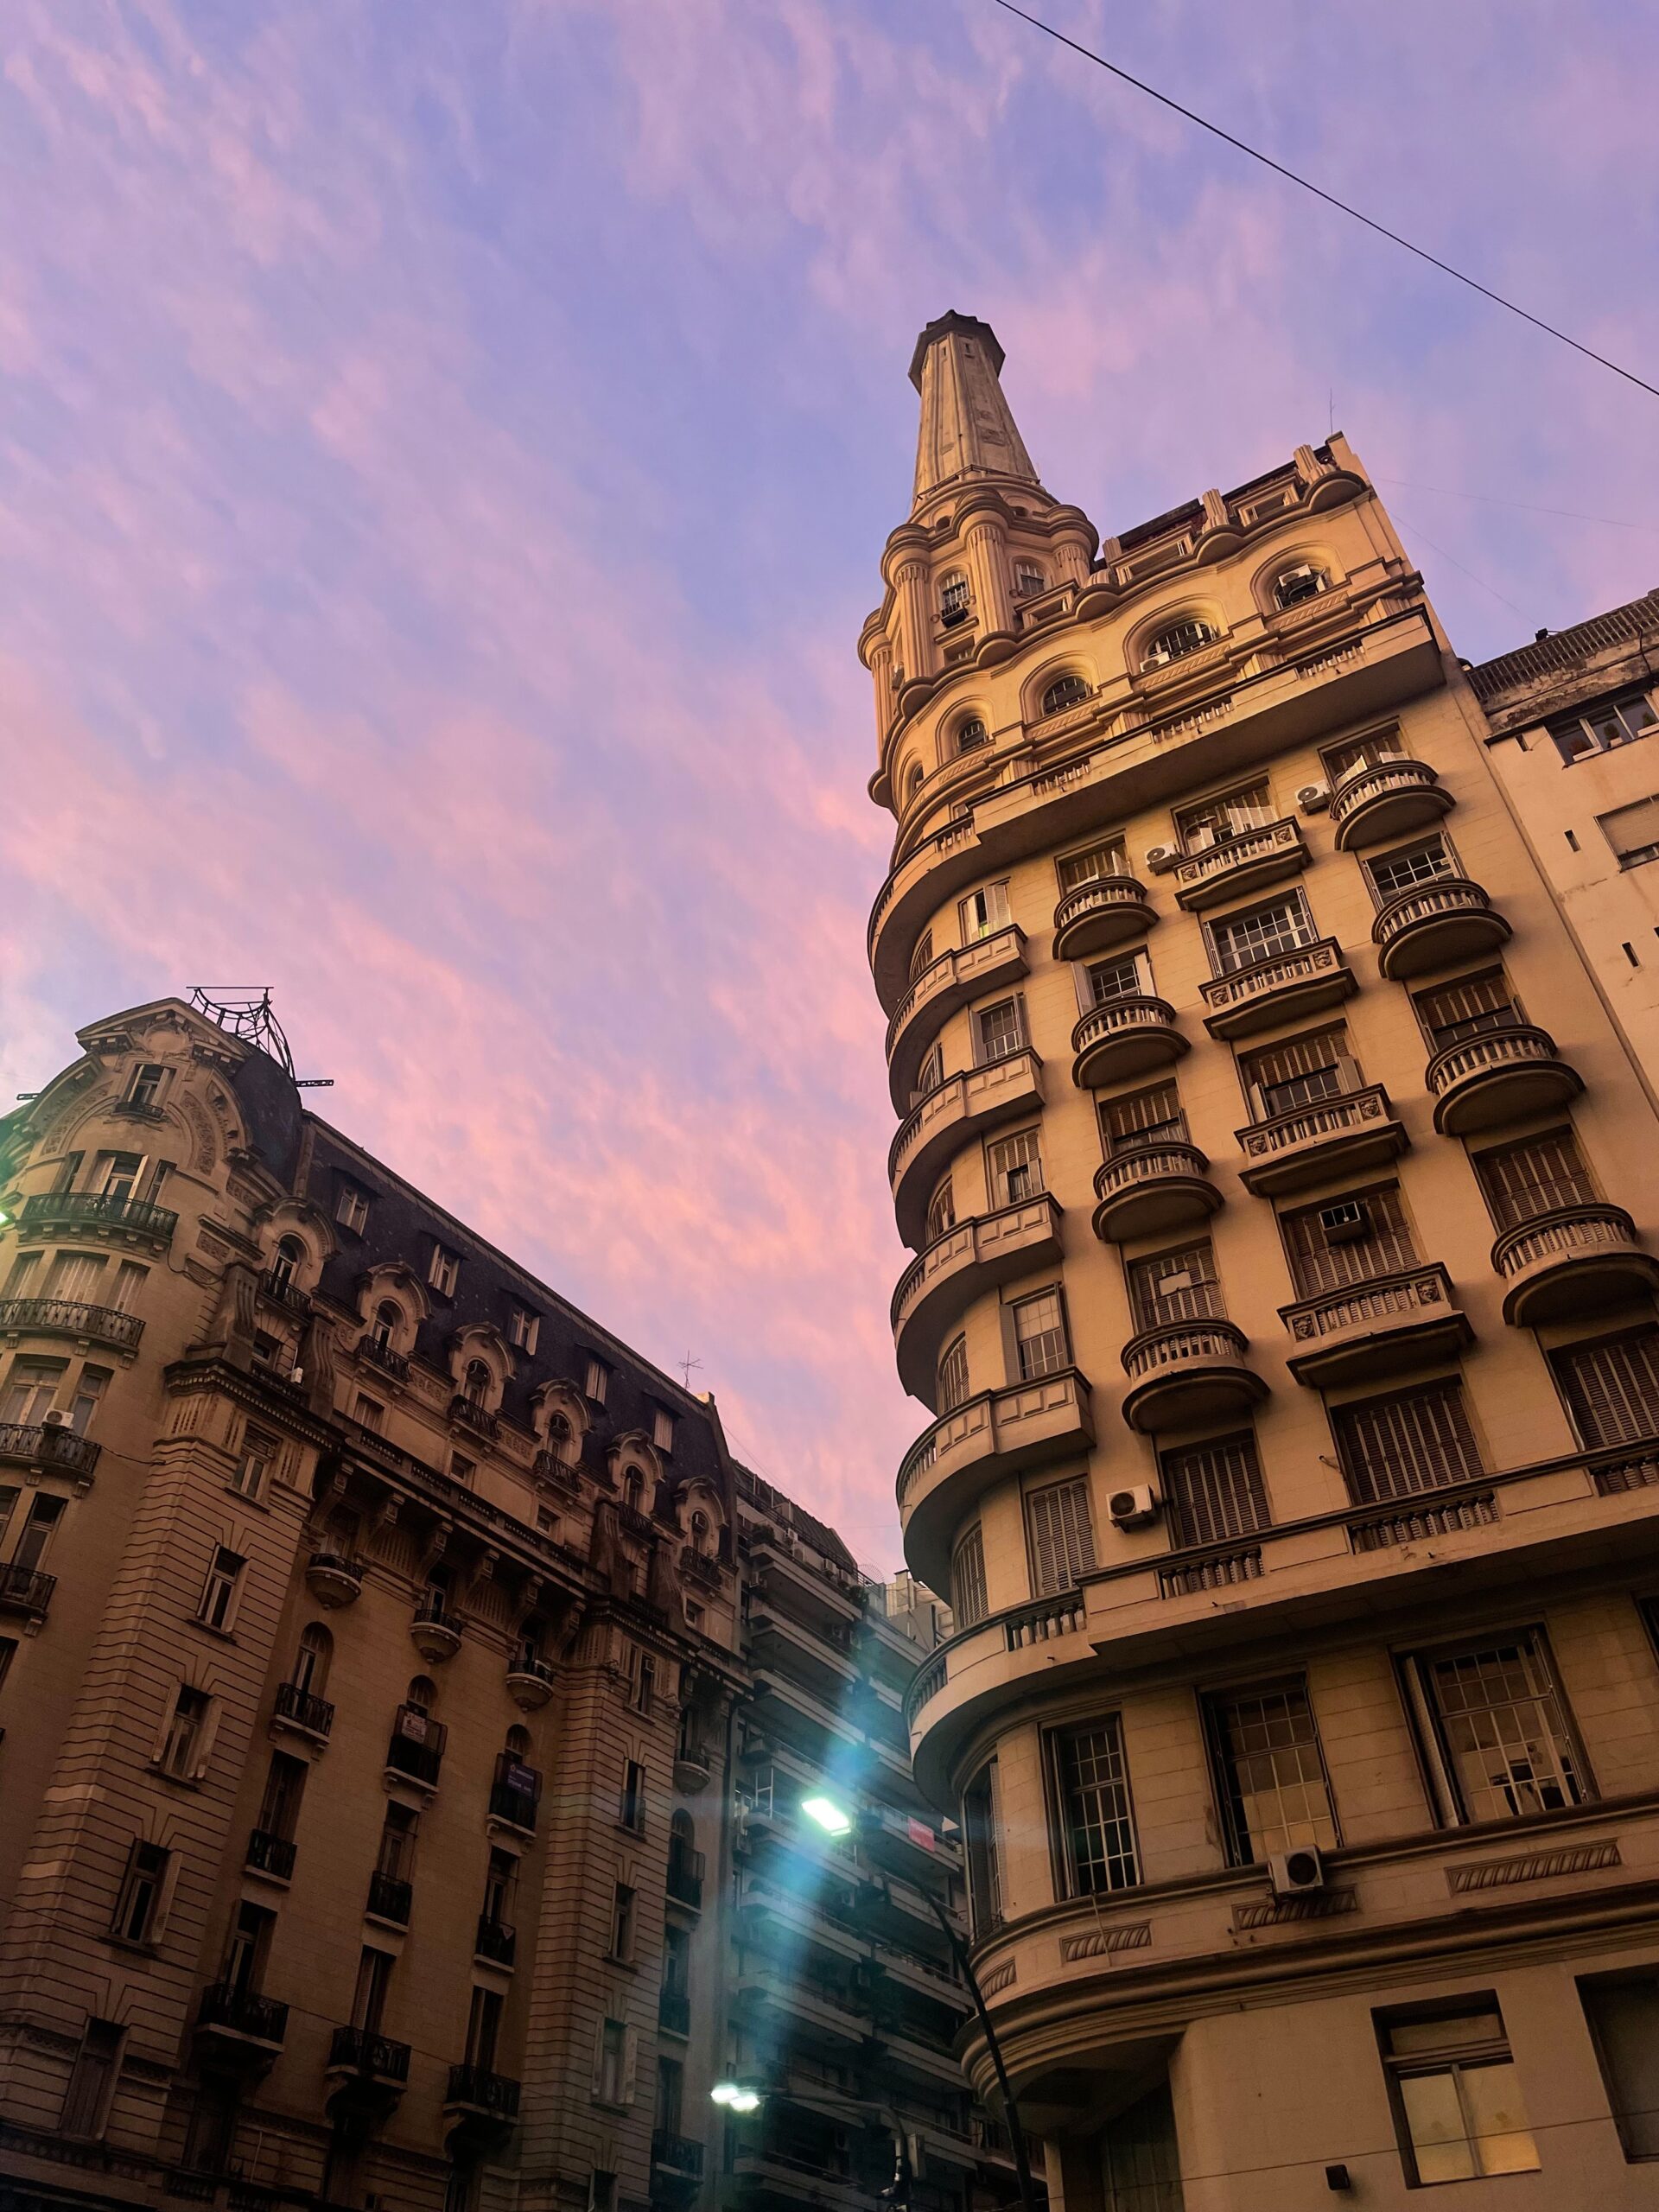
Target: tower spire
(968,433)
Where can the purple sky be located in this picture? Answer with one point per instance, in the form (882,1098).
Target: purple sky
(444,454)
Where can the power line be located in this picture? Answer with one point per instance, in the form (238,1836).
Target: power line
(1459,566)
(1521,506)
(1330,198)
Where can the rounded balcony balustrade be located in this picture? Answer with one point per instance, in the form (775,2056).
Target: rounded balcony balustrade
(1500,1075)
(1391,799)
(1185,1373)
(1572,1263)
(1123,1039)
(1112,909)
(1150,1188)
(1436,926)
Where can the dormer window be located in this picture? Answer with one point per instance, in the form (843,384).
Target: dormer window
(290,1257)
(972,735)
(1190,636)
(522,1328)
(476,1387)
(662,1429)
(953,601)
(443,1270)
(1303,582)
(145,1089)
(386,1320)
(1065,691)
(1028,580)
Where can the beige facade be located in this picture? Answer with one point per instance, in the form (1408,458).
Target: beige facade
(1281,1186)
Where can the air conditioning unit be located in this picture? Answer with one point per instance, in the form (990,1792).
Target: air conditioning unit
(1314,799)
(1345,1221)
(1131,1509)
(1157,854)
(1296,1873)
(54,1420)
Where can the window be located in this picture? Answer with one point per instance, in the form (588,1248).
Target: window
(968,1603)
(972,736)
(74,1276)
(286,1261)
(30,1389)
(598,1381)
(138,1902)
(523,1329)
(1469,1007)
(1456,2095)
(1065,691)
(130,1278)
(1028,580)
(44,1515)
(979,1836)
(20,1283)
(216,1608)
(1393,874)
(1304,581)
(90,1386)
(1096,1828)
(1409,1442)
(1612,1387)
(1092,864)
(1014,1168)
(1521,1181)
(250,1943)
(622,1924)
(1599,728)
(316,1648)
(954,597)
(382,1331)
(601,2192)
(369,1997)
(443,1270)
(1269,1774)
(279,1802)
(1342,761)
(914,780)
(368,1413)
(1177,1285)
(1354,1240)
(1126,976)
(497,1887)
(182,1747)
(670,2095)
(983,913)
(1140,2160)
(68,1169)
(1059,1536)
(1219,819)
(477,1382)
(612,2075)
(1623,2011)
(632,1812)
(922,959)
(953,1387)
(1633,831)
(1214,1492)
(395,1857)
(254,1462)
(1039,1343)
(1496,1732)
(1153,1116)
(91,2080)
(462,1469)
(1288,1077)
(352,1208)
(120,1177)
(483,2028)
(1190,636)
(643,1670)
(999,1030)
(10,1494)
(662,1429)
(1260,933)
(941,1211)
(147,1082)
(928,1076)
(7,1646)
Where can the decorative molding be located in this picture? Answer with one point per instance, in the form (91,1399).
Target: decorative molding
(1134,1935)
(1272,1912)
(1535,1866)
(998,1977)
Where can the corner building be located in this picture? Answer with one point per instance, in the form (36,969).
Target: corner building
(1282,1198)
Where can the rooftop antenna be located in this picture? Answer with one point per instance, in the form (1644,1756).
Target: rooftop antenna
(685,1367)
(245,1011)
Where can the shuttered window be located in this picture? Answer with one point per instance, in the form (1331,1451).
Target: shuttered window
(1498,1724)
(1468,1008)
(1217,819)
(1294,1074)
(1059,1534)
(1521,1181)
(1613,1386)
(1014,1168)
(1633,831)
(1214,1491)
(1326,1253)
(1090,866)
(928,1076)
(1404,870)
(979,1836)
(984,913)
(922,959)
(941,1211)
(999,1029)
(968,1579)
(1412,1441)
(1345,760)
(953,1374)
(1117,979)
(1269,1773)
(1239,940)
(1145,1117)
(1176,1286)
(1096,1823)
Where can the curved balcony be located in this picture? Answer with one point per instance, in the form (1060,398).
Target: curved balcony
(1570,1264)
(1436,926)
(1234,867)
(434,1631)
(1376,1327)
(72,1317)
(95,1213)
(1112,909)
(974,1256)
(1390,800)
(1187,1373)
(333,1579)
(1151,1188)
(1284,988)
(1329,1137)
(953,1462)
(940,991)
(1123,1039)
(962,1107)
(531,1682)
(995,1665)
(1503,1075)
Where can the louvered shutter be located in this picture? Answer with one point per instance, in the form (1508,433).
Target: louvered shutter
(1633,831)
(1215,1492)
(1462,1009)
(1613,1388)
(1317,1264)
(1061,1535)
(1146,1113)
(1289,1075)
(1176,1286)
(968,1601)
(1398,1446)
(1523,1180)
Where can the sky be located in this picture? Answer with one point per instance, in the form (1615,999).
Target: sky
(445,453)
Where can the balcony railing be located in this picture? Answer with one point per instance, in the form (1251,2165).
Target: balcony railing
(676,2153)
(1122,1038)
(495,1941)
(226,2006)
(472,1415)
(1388,799)
(73,1317)
(97,1209)
(303,1709)
(417,1745)
(1109,911)
(47,1444)
(674,2013)
(1496,1075)
(269,1854)
(383,1356)
(1239,864)
(686,1871)
(1357,1128)
(361,2050)
(278,1284)
(1281,988)
(481,2090)
(515,1793)
(390,1898)
(1148,1188)
(26,1590)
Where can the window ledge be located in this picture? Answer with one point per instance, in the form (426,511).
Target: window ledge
(178,1780)
(148,1948)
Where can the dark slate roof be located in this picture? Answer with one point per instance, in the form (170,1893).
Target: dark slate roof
(271,1108)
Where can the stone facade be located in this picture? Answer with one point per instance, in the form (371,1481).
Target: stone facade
(1280,1178)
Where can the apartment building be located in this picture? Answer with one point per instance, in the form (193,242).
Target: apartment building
(1279,1173)
(368,1660)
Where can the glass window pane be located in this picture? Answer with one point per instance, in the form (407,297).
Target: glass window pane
(1434,2120)
(1497,2119)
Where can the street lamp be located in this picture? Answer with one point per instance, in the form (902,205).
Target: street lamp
(836,1821)
(736,2096)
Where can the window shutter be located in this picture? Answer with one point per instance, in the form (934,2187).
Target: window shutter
(1061,1534)
(968,1579)
(1523,1180)
(630,2064)
(1215,1492)
(1317,1264)
(1396,1447)
(1462,1009)
(1146,1113)
(1633,830)
(1613,1386)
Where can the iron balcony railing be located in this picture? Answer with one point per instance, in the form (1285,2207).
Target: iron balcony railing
(79,1209)
(303,1708)
(242,2012)
(47,1444)
(679,2153)
(269,1854)
(278,1284)
(391,1899)
(674,2013)
(495,1941)
(417,1745)
(361,2050)
(25,1589)
(685,1870)
(73,1317)
(496,2093)
(383,1356)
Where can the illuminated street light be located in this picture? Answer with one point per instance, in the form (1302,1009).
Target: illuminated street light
(734,2096)
(828,1814)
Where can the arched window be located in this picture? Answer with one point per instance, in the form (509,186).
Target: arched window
(1065,691)
(633,1490)
(1028,580)
(1303,582)
(971,734)
(311,1660)
(560,1438)
(1190,636)
(681,1839)
(532,1640)
(422,1695)
(477,1385)
(387,1320)
(914,780)
(519,1743)
(954,598)
(289,1258)
(702,1534)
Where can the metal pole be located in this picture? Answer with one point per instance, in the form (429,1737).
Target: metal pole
(1016,2132)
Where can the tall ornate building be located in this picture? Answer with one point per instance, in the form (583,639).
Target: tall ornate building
(1281,1192)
